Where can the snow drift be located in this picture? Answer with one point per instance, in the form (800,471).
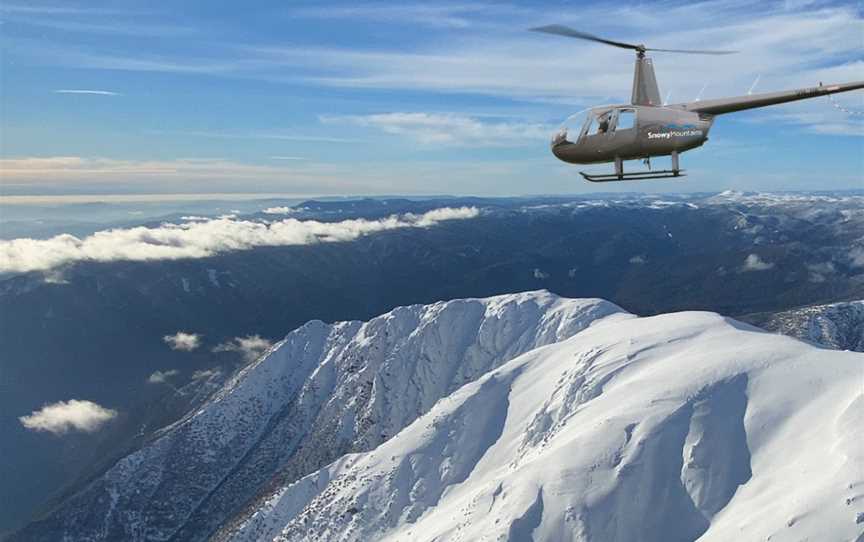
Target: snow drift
(671,428)
(324,391)
(518,417)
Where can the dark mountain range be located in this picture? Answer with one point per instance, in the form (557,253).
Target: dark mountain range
(95,330)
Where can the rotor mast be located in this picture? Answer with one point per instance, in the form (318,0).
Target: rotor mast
(645,91)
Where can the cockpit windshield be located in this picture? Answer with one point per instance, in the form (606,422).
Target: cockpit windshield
(572,126)
(585,122)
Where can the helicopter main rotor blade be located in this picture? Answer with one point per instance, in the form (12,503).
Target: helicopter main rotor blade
(691,51)
(561,30)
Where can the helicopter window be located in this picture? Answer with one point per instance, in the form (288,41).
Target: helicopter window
(626,119)
(603,122)
(599,124)
(573,127)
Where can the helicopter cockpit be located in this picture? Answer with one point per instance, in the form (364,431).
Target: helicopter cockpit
(590,122)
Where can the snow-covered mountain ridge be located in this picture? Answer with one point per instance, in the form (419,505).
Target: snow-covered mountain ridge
(677,427)
(324,391)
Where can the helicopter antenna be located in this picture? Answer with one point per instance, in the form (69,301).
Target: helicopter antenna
(666,100)
(641,49)
(699,96)
(753,86)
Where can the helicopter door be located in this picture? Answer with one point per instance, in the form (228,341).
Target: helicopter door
(597,131)
(624,129)
(601,125)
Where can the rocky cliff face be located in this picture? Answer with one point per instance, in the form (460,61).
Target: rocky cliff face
(837,325)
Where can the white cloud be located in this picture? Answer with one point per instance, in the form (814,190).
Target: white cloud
(160,377)
(202,239)
(822,267)
(199,179)
(637,260)
(445,16)
(54,276)
(90,20)
(523,64)
(110,27)
(277,136)
(57,10)
(800,4)
(539,274)
(819,272)
(856,256)
(754,263)
(450,129)
(818,122)
(251,347)
(185,342)
(60,168)
(787,48)
(278,210)
(64,416)
(213,175)
(205,373)
(84,91)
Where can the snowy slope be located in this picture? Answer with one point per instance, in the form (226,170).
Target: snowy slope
(838,325)
(677,427)
(322,392)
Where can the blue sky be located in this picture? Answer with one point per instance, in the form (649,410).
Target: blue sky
(402,98)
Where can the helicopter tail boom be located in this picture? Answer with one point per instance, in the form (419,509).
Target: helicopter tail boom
(740,103)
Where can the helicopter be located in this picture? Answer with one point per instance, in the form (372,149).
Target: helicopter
(646,127)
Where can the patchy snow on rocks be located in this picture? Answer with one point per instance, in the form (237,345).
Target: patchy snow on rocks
(836,325)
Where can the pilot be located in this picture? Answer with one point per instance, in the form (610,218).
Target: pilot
(604,124)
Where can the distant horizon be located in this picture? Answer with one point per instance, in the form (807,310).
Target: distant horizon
(252,196)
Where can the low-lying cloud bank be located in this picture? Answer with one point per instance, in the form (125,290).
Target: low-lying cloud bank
(202,239)
(64,416)
(278,210)
(450,129)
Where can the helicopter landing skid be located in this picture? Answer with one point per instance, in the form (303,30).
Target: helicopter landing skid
(635,176)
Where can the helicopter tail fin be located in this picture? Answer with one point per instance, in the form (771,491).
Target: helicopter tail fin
(645,91)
